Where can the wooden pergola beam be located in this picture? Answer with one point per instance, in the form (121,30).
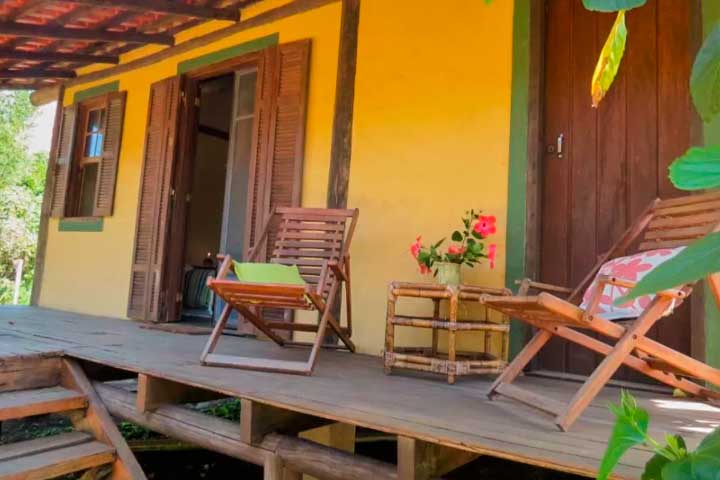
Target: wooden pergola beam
(36,73)
(57,56)
(43,31)
(168,7)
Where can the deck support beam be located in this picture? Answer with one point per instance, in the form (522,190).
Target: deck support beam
(258,420)
(283,457)
(153,392)
(419,460)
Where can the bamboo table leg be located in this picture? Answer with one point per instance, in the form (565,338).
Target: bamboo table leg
(389,330)
(451,339)
(436,316)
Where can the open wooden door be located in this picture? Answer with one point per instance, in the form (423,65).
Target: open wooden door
(148,300)
(602,167)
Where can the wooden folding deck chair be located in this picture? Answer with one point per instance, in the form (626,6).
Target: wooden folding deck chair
(665,224)
(317,240)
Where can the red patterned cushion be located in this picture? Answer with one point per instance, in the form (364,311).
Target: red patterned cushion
(632,268)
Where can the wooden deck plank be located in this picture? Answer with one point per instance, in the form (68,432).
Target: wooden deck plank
(39,445)
(26,403)
(353,389)
(57,462)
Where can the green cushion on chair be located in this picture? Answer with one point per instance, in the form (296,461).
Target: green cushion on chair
(268,273)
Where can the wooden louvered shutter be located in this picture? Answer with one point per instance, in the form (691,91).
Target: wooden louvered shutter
(63,161)
(279,144)
(146,302)
(105,194)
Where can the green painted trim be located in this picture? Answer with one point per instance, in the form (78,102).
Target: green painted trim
(517,177)
(711,132)
(230,52)
(97,90)
(81,224)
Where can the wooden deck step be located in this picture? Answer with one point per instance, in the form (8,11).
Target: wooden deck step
(531,399)
(51,457)
(26,403)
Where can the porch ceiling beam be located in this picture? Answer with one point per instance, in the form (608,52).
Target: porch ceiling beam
(168,7)
(57,56)
(36,73)
(42,31)
(286,10)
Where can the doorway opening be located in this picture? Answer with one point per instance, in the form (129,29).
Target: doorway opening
(218,184)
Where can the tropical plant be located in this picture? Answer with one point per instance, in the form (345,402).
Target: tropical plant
(698,168)
(468,247)
(22,181)
(672,461)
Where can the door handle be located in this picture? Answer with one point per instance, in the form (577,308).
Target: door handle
(560,145)
(558,148)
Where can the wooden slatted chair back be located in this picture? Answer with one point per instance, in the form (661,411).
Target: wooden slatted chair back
(670,223)
(311,237)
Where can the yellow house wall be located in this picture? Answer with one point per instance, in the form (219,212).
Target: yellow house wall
(430,140)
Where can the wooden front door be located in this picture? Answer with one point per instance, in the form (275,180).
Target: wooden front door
(601,167)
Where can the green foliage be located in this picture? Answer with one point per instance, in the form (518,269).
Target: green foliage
(695,262)
(705,77)
(630,429)
(22,180)
(698,169)
(612,5)
(610,58)
(671,461)
(468,249)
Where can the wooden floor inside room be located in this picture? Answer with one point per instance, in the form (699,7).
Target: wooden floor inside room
(353,389)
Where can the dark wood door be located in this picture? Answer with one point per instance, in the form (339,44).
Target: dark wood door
(614,158)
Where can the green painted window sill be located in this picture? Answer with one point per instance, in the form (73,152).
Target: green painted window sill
(81,224)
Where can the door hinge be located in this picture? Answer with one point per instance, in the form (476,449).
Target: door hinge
(178,297)
(197,101)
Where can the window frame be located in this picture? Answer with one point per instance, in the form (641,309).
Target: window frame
(79,160)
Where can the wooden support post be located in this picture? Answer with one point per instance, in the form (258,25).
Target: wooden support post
(419,460)
(297,455)
(341,148)
(47,199)
(153,392)
(97,421)
(258,420)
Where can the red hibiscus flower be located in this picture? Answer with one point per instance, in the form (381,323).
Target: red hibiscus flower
(485,225)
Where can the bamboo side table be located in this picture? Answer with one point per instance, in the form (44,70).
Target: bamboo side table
(430,359)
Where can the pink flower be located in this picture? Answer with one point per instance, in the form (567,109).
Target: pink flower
(485,225)
(456,250)
(424,269)
(415,247)
(491,254)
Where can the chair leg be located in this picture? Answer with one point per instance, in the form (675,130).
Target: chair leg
(612,362)
(521,360)
(320,337)
(216,333)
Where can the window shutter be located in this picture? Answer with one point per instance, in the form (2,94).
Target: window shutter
(107,176)
(280,133)
(145,302)
(63,161)
(256,215)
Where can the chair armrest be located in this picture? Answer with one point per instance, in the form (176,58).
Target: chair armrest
(619,282)
(339,272)
(527,284)
(225,265)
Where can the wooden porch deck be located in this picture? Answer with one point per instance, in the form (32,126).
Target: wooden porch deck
(353,389)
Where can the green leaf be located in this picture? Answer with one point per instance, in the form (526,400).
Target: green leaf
(695,262)
(705,77)
(610,58)
(654,467)
(698,169)
(702,464)
(612,5)
(631,425)
(457,236)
